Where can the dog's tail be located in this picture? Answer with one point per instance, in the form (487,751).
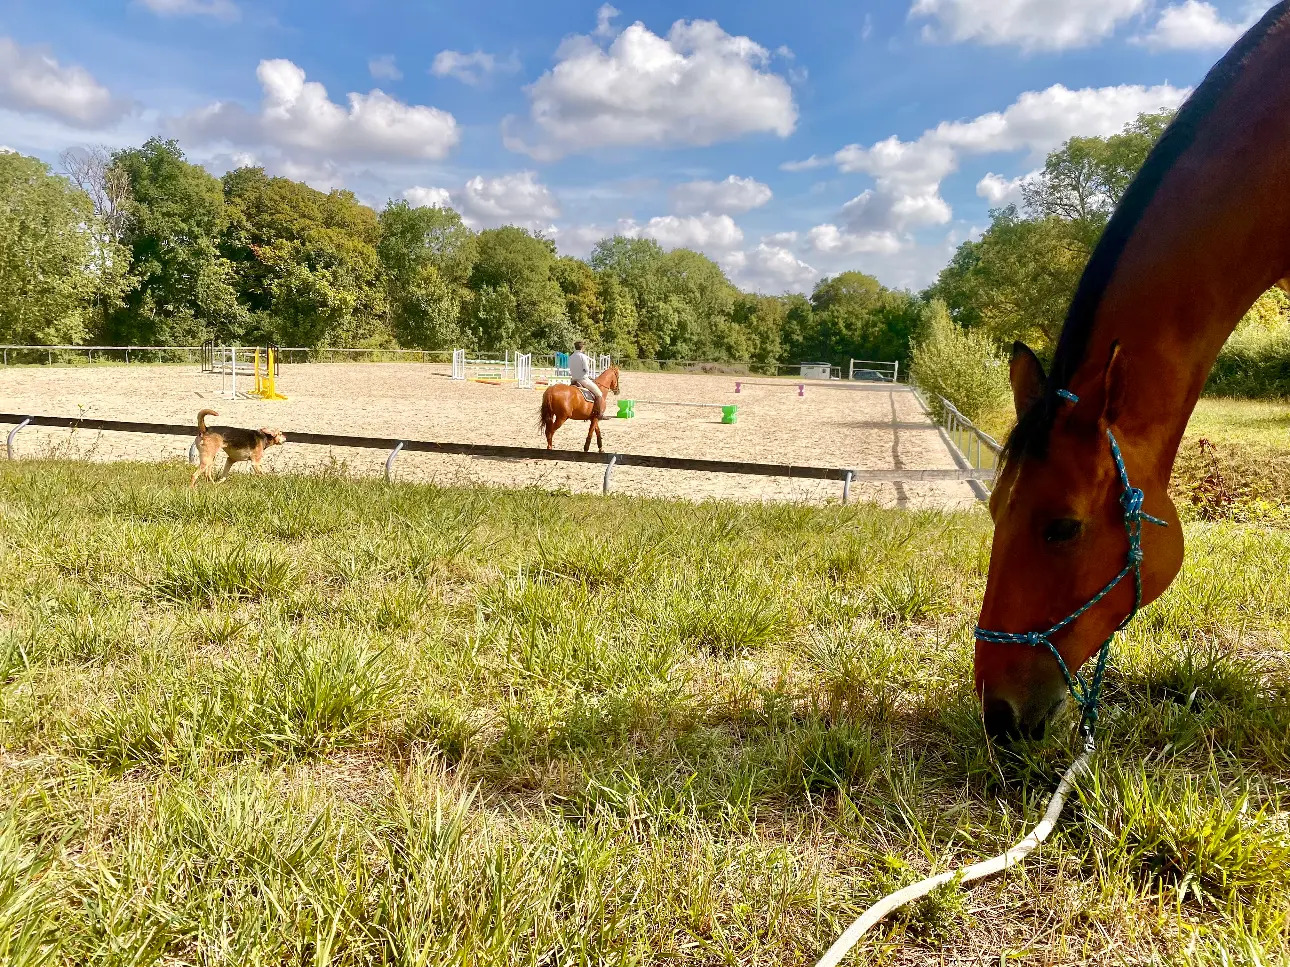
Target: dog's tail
(546,416)
(201,420)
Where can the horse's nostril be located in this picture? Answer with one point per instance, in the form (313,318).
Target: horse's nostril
(1000,719)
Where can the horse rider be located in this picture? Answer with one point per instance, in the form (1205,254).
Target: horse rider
(580,375)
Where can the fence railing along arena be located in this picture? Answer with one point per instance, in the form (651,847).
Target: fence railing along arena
(14,353)
(971,447)
(547,366)
(874,370)
(516,367)
(609,460)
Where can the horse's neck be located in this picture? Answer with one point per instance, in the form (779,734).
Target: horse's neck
(1214,235)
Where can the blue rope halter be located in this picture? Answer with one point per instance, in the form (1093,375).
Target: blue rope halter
(1086,692)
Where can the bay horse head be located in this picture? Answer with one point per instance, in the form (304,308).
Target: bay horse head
(1071,560)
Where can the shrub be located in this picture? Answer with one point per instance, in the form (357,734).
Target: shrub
(962,365)
(1255,362)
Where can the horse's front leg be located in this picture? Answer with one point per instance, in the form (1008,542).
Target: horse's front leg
(600,443)
(591,428)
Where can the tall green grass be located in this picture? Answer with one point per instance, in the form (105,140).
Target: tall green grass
(296,720)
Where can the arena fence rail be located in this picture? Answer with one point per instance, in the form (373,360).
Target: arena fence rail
(970,446)
(610,460)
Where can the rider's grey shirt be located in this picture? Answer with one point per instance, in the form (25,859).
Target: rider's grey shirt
(579,366)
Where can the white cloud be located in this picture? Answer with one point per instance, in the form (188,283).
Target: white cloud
(1029,24)
(1192,26)
(1039,121)
(579,240)
(908,174)
(770,268)
(513,199)
(319,173)
(708,233)
(420,197)
(733,196)
(470,68)
(829,239)
(696,86)
(32,80)
(604,20)
(219,9)
(297,115)
(1000,191)
(883,210)
(384,68)
(5,149)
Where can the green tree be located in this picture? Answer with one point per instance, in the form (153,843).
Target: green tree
(798,335)
(763,321)
(700,313)
(962,365)
(515,268)
(305,261)
(1018,279)
(618,332)
(586,313)
(57,262)
(183,288)
(1084,179)
(428,255)
(851,316)
(634,266)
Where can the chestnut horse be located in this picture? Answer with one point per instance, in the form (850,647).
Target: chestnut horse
(562,402)
(1203,230)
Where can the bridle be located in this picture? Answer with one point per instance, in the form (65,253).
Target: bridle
(1087,692)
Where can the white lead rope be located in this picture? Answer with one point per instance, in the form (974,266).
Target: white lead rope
(977,871)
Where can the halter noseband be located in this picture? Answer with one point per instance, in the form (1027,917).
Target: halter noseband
(1086,692)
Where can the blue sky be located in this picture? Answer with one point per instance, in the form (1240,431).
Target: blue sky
(787,141)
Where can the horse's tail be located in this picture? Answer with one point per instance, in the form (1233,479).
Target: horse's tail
(546,415)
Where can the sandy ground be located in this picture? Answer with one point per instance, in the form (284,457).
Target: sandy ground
(831,426)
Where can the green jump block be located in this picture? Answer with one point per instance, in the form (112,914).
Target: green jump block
(626,409)
(730,413)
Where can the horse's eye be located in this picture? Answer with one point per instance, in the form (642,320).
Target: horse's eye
(1062,530)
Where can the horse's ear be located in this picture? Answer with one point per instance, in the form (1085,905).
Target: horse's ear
(1026,373)
(1113,381)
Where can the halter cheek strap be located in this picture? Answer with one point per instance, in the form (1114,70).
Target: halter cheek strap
(1087,692)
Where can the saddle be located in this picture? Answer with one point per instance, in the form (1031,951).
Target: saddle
(587,395)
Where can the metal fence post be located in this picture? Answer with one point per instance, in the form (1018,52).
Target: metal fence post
(389,461)
(13,433)
(846,486)
(609,468)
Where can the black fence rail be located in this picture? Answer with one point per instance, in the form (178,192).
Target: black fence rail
(395,446)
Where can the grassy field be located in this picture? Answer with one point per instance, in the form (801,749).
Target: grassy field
(319,721)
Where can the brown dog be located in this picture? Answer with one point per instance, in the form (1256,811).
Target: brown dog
(239,444)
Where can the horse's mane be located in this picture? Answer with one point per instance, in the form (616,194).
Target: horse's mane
(1030,435)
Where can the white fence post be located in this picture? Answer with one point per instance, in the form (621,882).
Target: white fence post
(524,370)
(459,364)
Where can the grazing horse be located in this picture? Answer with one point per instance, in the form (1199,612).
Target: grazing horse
(1082,493)
(564,402)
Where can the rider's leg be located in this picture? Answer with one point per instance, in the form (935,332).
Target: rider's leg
(595,389)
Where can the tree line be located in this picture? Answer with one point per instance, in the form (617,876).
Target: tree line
(142,247)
